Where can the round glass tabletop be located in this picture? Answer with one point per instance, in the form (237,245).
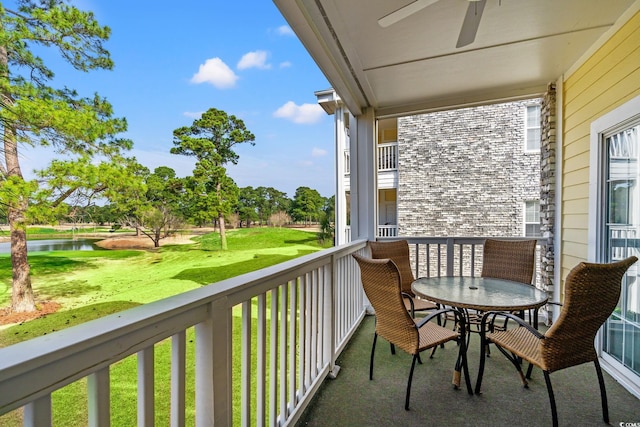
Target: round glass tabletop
(480,293)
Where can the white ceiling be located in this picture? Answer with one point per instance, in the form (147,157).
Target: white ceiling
(413,65)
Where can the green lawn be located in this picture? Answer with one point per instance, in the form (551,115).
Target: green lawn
(92,284)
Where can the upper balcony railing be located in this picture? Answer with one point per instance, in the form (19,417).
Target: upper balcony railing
(263,342)
(387,158)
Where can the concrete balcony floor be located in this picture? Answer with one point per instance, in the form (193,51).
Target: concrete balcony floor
(353,400)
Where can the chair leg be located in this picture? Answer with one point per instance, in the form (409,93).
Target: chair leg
(413,365)
(373,350)
(552,400)
(603,392)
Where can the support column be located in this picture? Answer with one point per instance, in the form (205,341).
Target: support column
(364,192)
(548,191)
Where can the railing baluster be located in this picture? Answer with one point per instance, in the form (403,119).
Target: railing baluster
(245,416)
(261,372)
(146,399)
(282,352)
(293,347)
(38,412)
(273,360)
(98,393)
(178,368)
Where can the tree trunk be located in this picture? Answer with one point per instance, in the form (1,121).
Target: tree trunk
(223,234)
(21,292)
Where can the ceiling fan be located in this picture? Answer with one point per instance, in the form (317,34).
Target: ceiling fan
(469,25)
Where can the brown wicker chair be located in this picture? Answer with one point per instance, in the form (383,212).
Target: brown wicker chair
(592,293)
(398,251)
(381,283)
(509,260)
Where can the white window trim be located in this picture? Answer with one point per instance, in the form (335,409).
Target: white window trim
(617,118)
(526,128)
(524,216)
(627,112)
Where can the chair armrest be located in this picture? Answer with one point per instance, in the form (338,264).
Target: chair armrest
(410,298)
(436,313)
(508,316)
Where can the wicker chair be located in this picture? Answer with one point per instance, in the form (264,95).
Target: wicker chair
(381,283)
(509,260)
(398,251)
(592,293)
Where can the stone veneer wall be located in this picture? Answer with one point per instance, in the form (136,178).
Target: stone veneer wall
(548,190)
(465,172)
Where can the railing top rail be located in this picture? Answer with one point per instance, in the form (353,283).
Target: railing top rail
(457,240)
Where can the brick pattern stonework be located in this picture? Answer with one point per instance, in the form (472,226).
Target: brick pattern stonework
(465,172)
(547,189)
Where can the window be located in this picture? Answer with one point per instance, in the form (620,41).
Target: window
(614,228)
(532,128)
(532,218)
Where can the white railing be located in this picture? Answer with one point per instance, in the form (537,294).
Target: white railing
(387,158)
(387,230)
(294,319)
(347,162)
(453,256)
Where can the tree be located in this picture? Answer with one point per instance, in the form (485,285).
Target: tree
(271,201)
(151,202)
(249,199)
(307,205)
(35,113)
(327,221)
(211,140)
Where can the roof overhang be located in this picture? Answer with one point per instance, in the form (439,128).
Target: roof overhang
(414,66)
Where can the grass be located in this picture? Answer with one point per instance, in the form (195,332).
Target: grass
(93,284)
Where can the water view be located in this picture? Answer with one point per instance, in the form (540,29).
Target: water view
(49,245)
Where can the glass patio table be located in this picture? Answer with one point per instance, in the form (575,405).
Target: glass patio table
(479,293)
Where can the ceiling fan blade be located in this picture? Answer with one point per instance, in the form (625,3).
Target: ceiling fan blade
(404,12)
(471,23)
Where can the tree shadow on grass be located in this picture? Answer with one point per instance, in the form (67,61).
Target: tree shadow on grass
(43,264)
(60,320)
(208,275)
(311,239)
(67,289)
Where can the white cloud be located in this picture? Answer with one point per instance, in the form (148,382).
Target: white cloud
(257,59)
(215,72)
(318,152)
(285,64)
(193,115)
(301,114)
(285,30)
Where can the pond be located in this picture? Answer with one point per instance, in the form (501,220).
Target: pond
(54,245)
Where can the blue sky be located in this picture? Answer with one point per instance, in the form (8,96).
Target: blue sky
(174,61)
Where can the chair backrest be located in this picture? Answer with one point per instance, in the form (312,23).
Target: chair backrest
(509,259)
(592,292)
(398,252)
(381,283)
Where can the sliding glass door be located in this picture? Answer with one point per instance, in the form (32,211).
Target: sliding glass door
(620,339)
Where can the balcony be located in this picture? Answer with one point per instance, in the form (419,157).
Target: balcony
(387,165)
(294,319)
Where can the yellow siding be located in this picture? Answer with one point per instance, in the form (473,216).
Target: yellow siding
(575,192)
(575,177)
(609,78)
